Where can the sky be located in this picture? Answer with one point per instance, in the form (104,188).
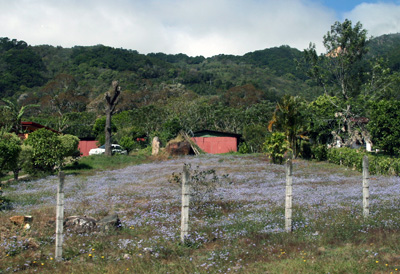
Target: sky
(192,27)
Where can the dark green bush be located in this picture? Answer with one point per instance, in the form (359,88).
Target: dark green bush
(378,164)
(10,148)
(319,152)
(244,148)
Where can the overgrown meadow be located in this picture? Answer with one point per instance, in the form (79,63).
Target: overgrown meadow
(239,230)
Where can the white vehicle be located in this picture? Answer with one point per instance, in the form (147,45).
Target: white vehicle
(115,149)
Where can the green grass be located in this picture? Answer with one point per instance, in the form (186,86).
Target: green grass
(102,162)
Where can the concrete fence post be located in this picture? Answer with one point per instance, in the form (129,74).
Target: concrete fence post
(60,216)
(288,200)
(185,203)
(365,181)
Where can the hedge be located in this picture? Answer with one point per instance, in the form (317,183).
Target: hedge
(352,158)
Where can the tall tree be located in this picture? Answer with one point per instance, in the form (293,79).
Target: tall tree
(345,46)
(340,69)
(112,101)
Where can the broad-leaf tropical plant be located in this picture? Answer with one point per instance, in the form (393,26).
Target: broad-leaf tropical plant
(16,113)
(288,118)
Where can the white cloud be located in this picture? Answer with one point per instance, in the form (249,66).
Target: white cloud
(378,19)
(197,27)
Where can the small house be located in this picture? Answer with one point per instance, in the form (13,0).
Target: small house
(215,142)
(29,127)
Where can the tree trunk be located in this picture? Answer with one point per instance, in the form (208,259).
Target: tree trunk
(108,132)
(111,100)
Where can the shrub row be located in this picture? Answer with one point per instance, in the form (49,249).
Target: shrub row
(378,164)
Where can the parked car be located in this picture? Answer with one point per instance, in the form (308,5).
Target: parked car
(115,149)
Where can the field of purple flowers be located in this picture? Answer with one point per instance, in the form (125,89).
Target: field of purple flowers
(240,230)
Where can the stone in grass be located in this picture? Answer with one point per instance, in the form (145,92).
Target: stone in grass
(80,224)
(84,224)
(109,222)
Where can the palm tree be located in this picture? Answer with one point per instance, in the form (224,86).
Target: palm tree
(288,117)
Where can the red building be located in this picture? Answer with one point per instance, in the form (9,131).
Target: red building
(85,145)
(215,142)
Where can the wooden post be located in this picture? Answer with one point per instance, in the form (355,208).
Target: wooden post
(60,217)
(365,186)
(185,204)
(288,200)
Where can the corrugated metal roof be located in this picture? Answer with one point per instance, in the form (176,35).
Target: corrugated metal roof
(212,133)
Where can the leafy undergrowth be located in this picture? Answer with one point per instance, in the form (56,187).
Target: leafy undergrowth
(240,231)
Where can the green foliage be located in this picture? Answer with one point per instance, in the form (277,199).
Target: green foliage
(289,117)
(118,59)
(47,151)
(21,67)
(378,164)
(276,145)
(128,143)
(280,59)
(80,124)
(25,158)
(69,144)
(382,83)
(170,129)
(254,137)
(10,148)
(340,67)
(321,118)
(384,125)
(346,156)
(386,46)
(130,138)
(99,129)
(319,152)
(243,148)
(13,115)
(101,162)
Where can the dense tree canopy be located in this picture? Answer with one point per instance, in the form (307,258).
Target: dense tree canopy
(20,67)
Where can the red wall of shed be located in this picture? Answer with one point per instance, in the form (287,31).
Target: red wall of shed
(215,145)
(85,146)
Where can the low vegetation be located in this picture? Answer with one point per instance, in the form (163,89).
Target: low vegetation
(240,232)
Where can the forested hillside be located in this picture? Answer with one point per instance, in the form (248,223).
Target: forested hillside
(64,88)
